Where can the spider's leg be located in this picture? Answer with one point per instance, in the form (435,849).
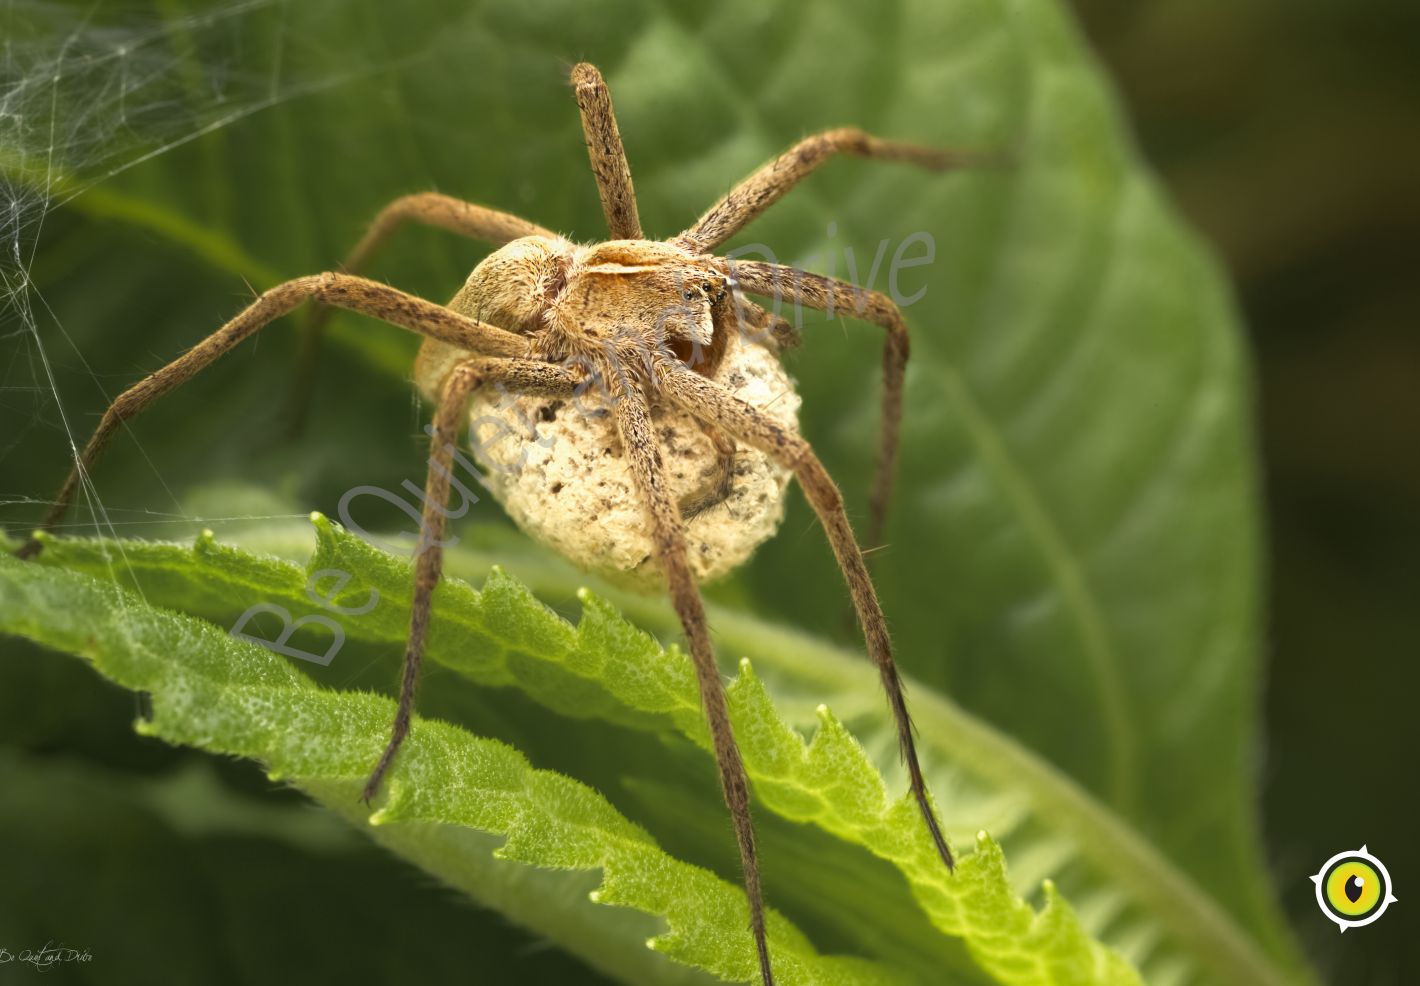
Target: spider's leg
(773,180)
(607,154)
(519,376)
(455,215)
(343,291)
(705,400)
(834,296)
(428,208)
(633,421)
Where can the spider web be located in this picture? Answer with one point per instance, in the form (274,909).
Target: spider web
(87,93)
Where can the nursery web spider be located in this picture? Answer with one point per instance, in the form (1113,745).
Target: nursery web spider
(648,321)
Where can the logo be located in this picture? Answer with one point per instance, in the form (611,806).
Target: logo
(1353,888)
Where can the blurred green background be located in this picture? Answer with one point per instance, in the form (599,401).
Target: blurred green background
(1289,133)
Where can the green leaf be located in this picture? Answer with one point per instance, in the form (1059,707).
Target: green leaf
(185,836)
(605,668)
(1074,543)
(228,696)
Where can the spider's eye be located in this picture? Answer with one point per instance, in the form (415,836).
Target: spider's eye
(687,294)
(705,286)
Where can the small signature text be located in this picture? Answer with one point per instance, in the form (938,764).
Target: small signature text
(47,957)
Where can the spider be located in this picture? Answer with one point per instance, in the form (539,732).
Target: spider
(649,322)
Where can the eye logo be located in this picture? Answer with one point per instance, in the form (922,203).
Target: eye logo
(1353,888)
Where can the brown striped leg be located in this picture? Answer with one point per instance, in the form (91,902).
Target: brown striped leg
(518,376)
(607,154)
(839,297)
(341,290)
(633,421)
(427,208)
(773,180)
(748,424)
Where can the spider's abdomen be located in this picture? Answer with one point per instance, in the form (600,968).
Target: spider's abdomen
(514,285)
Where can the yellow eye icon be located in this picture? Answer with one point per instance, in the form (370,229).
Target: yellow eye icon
(1353,888)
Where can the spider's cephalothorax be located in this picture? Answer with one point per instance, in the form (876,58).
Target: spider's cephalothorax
(617,309)
(586,301)
(652,349)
